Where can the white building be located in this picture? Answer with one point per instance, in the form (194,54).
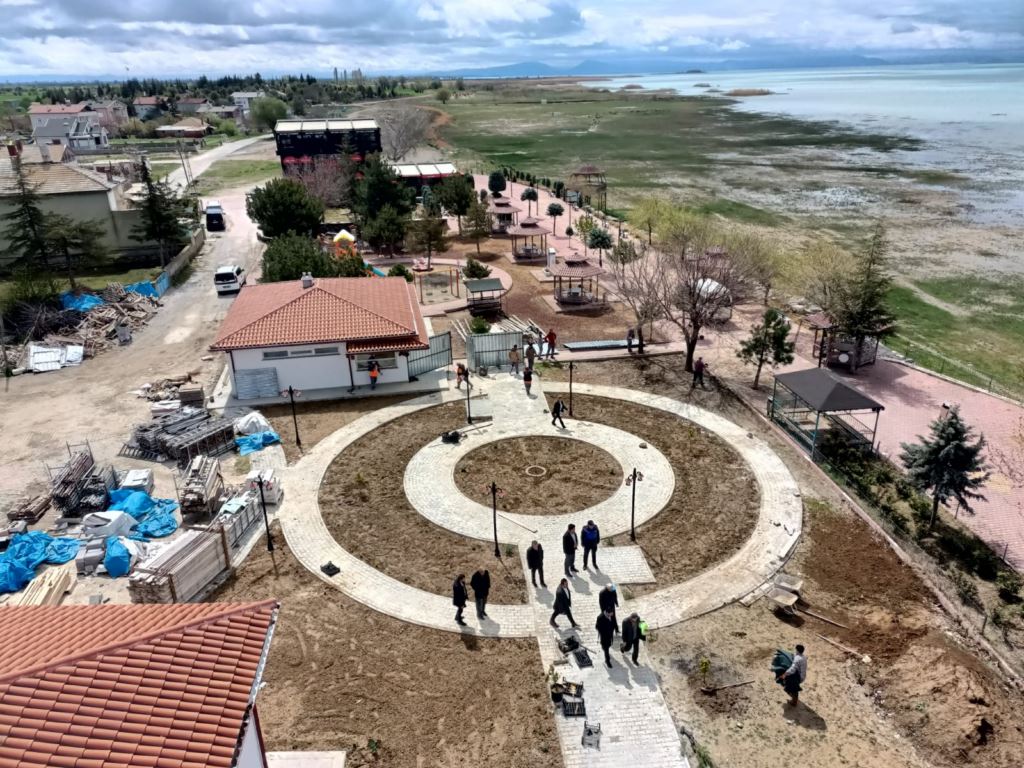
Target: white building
(323,333)
(244,99)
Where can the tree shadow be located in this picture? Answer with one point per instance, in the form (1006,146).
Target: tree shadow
(804,716)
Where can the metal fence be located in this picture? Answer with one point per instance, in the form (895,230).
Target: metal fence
(491,349)
(437,356)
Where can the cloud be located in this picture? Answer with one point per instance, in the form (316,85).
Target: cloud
(192,36)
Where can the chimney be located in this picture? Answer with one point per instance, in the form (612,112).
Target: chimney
(44,153)
(307,280)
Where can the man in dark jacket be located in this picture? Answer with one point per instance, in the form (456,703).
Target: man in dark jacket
(631,636)
(570,543)
(481,584)
(591,537)
(563,604)
(556,412)
(459,597)
(535,562)
(606,629)
(608,599)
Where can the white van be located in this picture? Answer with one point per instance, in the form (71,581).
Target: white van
(229,278)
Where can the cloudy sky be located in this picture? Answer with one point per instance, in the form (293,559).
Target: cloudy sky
(93,37)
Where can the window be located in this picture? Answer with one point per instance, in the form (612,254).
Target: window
(275,354)
(300,353)
(324,351)
(385,360)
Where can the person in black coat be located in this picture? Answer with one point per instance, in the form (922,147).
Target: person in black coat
(570,543)
(606,629)
(459,597)
(481,584)
(556,412)
(535,562)
(631,636)
(608,599)
(563,604)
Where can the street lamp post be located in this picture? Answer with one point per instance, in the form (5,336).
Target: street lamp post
(495,492)
(571,368)
(634,478)
(266,520)
(292,394)
(469,412)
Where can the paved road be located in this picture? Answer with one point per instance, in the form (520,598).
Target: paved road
(201,162)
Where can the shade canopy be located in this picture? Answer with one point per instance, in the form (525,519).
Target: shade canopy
(483,285)
(527,228)
(576,269)
(824,393)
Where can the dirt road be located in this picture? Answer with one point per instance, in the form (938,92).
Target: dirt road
(94,402)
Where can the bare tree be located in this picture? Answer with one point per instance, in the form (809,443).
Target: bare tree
(402,127)
(329,180)
(633,269)
(819,271)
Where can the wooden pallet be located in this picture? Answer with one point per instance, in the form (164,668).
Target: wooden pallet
(49,587)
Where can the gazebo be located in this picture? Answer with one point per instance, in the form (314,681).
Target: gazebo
(576,269)
(835,349)
(590,183)
(525,236)
(503,213)
(813,405)
(484,296)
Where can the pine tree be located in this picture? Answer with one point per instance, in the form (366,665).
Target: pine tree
(26,224)
(428,235)
(948,464)
(456,195)
(161,215)
(378,187)
(78,243)
(768,343)
(478,223)
(863,310)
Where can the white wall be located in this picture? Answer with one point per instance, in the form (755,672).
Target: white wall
(250,755)
(317,372)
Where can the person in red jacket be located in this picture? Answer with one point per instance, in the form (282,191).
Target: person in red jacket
(550,339)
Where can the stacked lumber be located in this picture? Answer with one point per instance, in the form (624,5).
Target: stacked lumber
(202,487)
(180,570)
(113,293)
(70,480)
(98,328)
(49,587)
(30,509)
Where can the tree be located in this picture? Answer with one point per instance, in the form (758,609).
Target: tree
(764,257)
(648,215)
(456,195)
(266,112)
(386,229)
(329,180)
(529,195)
(554,211)
(26,224)
(819,272)
(584,226)
(496,183)
(948,464)
(474,270)
(478,223)
(637,284)
(768,343)
(284,205)
(443,95)
(402,127)
(289,256)
(77,243)
(862,308)
(400,270)
(160,216)
(428,235)
(600,240)
(380,187)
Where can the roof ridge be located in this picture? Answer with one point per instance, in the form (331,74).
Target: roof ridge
(234,610)
(374,313)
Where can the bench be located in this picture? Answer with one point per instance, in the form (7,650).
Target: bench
(588,346)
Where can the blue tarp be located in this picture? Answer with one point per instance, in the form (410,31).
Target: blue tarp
(27,552)
(143,287)
(251,443)
(82,303)
(156,525)
(117,559)
(155,516)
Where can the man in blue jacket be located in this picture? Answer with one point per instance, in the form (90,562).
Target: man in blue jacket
(590,537)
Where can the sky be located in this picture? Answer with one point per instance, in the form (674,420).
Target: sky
(169,37)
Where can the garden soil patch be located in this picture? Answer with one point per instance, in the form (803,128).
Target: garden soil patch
(339,674)
(540,475)
(365,508)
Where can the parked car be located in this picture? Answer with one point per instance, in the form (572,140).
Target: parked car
(214,216)
(229,278)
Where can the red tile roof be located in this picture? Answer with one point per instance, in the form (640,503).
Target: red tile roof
(114,686)
(380,312)
(148,101)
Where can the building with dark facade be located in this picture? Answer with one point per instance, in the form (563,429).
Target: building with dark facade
(301,143)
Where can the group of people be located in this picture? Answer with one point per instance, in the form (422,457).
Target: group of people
(633,631)
(588,538)
(480,583)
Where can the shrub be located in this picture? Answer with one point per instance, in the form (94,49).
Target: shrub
(1009,584)
(400,270)
(965,587)
(569,232)
(474,270)
(479,325)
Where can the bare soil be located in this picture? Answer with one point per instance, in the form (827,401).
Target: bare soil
(715,502)
(365,508)
(340,674)
(576,475)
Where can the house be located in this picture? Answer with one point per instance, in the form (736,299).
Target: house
(76,131)
(227,112)
(112,112)
(191,105)
(320,334)
(40,114)
(187,128)
(148,106)
(122,686)
(301,143)
(244,99)
(418,176)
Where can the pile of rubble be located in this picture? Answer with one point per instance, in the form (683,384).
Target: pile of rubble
(98,328)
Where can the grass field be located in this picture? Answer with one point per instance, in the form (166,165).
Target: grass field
(160,170)
(232,173)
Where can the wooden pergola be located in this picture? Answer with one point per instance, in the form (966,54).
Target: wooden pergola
(834,348)
(503,213)
(529,240)
(589,181)
(577,281)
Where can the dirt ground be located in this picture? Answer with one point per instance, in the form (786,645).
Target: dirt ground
(576,476)
(367,512)
(340,675)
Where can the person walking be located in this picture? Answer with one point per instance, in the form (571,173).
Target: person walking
(556,412)
(793,678)
(563,604)
(528,378)
(481,584)
(606,629)
(590,537)
(550,339)
(513,360)
(459,597)
(630,336)
(531,353)
(374,368)
(632,633)
(535,562)
(570,543)
(462,375)
(699,366)
(608,599)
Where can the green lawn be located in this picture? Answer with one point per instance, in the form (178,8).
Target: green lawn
(160,170)
(233,173)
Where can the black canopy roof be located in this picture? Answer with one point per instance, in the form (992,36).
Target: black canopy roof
(824,393)
(483,285)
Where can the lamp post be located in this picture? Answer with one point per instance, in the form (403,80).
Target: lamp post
(571,368)
(266,520)
(495,492)
(634,478)
(469,413)
(292,393)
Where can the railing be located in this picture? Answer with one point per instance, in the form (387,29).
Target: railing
(923,356)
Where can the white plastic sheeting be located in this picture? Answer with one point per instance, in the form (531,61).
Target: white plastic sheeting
(42,359)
